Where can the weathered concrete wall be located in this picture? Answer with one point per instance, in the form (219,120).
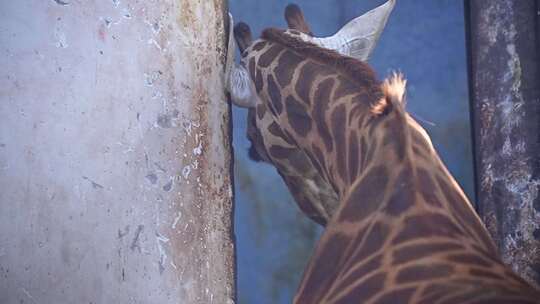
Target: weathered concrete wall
(505,94)
(114,153)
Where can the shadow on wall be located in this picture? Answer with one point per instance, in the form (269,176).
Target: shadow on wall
(274,240)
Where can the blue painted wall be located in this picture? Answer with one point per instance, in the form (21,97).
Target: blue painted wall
(423,39)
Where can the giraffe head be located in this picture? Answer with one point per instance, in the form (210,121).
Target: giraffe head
(313,193)
(356,39)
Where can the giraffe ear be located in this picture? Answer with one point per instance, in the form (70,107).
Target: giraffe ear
(358,37)
(242,34)
(295,19)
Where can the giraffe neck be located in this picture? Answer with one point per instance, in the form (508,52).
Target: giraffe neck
(406,233)
(355,132)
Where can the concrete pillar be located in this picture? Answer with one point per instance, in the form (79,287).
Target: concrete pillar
(115,164)
(504,65)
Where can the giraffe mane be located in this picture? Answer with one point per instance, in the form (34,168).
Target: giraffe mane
(393,101)
(393,89)
(357,71)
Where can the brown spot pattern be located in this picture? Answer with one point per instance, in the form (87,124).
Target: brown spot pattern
(363,149)
(251,67)
(366,196)
(261,111)
(297,116)
(428,188)
(361,271)
(359,106)
(317,159)
(320,107)
(373,242)
(353,156)
(365,291)
(338,122)
(464,215)
(270,55)
(423,272)
(416,252)
(275,130)
(259,46)
(298,161)
(463,297)
(434,292)
(397,296)
(427,225)
(307,75)
(280,152)
(287,63)
(258,81)
(346,88)
(375,123)
(325,273)
(275,95)
(485,274)
(467,258)
(395,137)
(371,148)
(403,195)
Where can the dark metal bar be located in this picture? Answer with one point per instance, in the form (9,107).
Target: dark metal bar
(504,76)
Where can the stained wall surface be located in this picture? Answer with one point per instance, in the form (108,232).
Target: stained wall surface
(114,153)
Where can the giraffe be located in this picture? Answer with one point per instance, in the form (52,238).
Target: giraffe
(311,191)
(399,229)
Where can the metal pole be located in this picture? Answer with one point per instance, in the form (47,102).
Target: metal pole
(504,80)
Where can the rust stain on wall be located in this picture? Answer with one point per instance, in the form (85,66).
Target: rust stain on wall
(186,16)
(208,149)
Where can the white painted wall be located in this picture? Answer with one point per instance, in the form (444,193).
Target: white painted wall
(114,153)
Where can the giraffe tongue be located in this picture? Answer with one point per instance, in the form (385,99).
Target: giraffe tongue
(358,37)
